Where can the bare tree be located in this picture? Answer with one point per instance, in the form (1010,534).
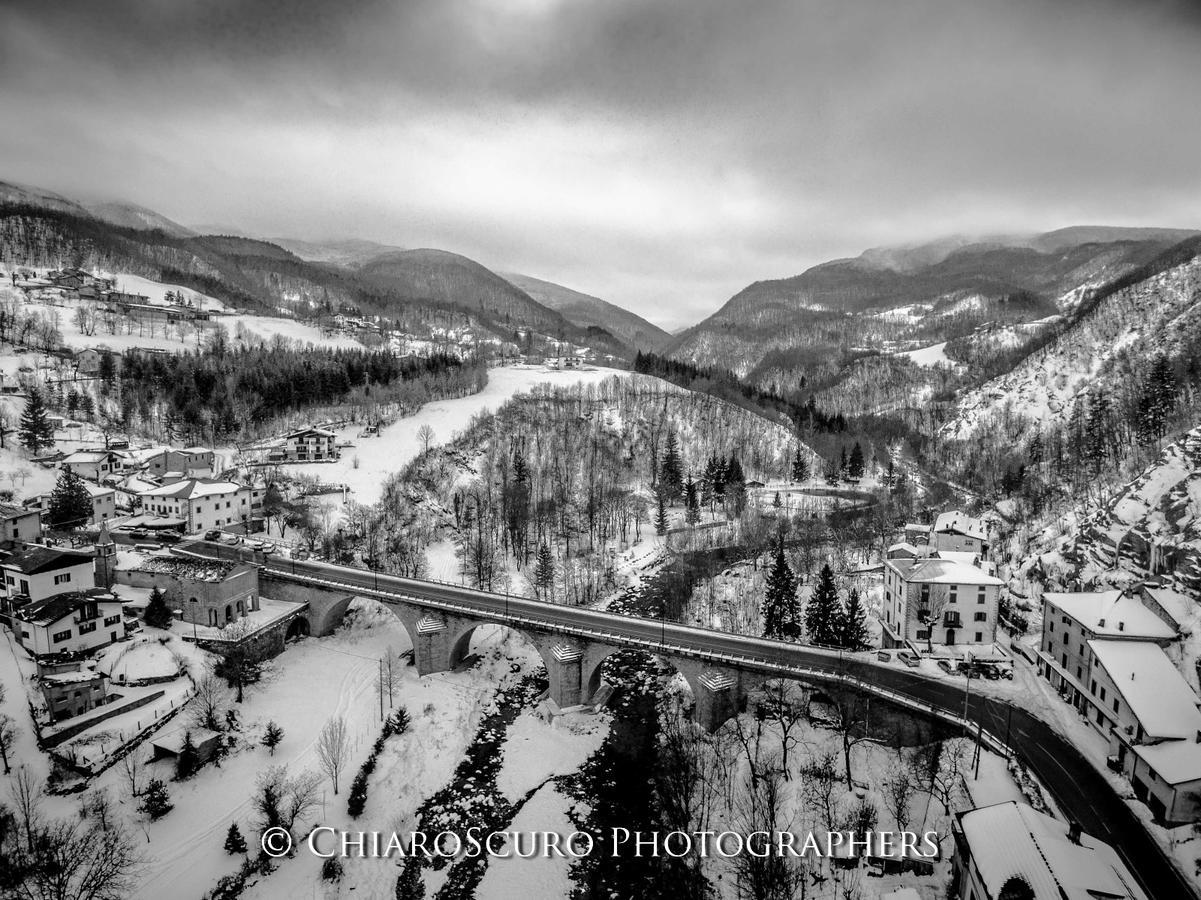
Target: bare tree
(767,871)
(207,706)
(26,791)
(425,434)
(851,712)
(8,739)
(333,746)
(786,711)
(282,800)
(131,772)
(898,790)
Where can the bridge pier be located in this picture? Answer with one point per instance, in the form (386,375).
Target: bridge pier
(720,692)
(565,673)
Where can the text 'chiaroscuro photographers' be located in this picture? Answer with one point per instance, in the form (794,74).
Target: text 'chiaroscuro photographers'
(328,843)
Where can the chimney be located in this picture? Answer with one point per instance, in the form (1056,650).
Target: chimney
(1074,832)
(1101,623)
(1121,626)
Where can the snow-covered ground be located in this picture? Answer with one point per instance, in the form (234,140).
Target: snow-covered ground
(366,466)
(934,355)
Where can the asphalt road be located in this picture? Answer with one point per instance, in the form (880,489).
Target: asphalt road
(1081,791)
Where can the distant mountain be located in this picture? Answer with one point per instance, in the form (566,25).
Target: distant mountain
(130,215)
(12,194)
(442,277)
(777,331)
(585,310)
(349,253)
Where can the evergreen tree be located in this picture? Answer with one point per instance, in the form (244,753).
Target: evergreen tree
(35,432)
(157,613)
(776,501)
(272,735)
(1098,433)
(855,464)
(1034,450)
(843,466)
(823,612)
(544,572)
(107,371)
(853,624)
(87,405)
(234,842)
(70,503)
(1158,399)
(72,402)
(357,799)
(671,471)
(781,609)
(661,515)
(156,802)
(188,760)
(692,503)
(800,466)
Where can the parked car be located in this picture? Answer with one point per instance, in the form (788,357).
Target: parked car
(883,656)
(140,534)
(909,658)
(213,534)
(170,537)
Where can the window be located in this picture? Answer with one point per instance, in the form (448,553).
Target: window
(979,636)
(981,617)
(63,578)
(112,620)
(1115,704)
(87,627)
(61,636)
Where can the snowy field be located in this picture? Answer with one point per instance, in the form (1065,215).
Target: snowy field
(934,355)
(365,467)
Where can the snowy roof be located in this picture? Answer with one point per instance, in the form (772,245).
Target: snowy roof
(193,487)
(88,456)
(8,511)
(903,546)
(1153,688)
(50,609)
(1013,839)
(1180,607)
(212,570)
(1111,614)
(37,560)
(1176,762)
(73,677)
(961,523)
(304,432)
(967,557)
(916,526)
(941,571)
(94,490)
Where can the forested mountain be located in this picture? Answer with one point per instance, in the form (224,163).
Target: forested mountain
(418,290)
(130,215)
(585,310)
(792,331)
(349,253)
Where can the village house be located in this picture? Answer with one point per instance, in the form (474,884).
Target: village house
(92,465)
(88,361)
(939,601)
(957,531)
(1072,621)
(199,504)
(71,688)
(18,523)
(917,534)
(104,503)
(41,572)
(1177,610)
(207,592)
(190,462)
(1012,850)
(307,445)
(69,622)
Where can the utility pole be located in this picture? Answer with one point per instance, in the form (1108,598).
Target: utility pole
(381,689)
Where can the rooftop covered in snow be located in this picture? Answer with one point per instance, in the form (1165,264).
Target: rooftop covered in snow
(1153,688)
(1013,839)
(1111,614)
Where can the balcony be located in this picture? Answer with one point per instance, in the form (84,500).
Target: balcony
(951,620)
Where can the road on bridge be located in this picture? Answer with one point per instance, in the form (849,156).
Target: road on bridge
(1081,791)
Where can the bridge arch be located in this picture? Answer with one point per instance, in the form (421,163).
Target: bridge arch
(612,657)
(459,646)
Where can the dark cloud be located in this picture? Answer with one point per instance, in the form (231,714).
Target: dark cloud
(661,153)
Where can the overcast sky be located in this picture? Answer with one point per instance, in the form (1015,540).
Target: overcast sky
(659,153)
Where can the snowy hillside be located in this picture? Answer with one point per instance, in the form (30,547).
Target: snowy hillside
(1128,326)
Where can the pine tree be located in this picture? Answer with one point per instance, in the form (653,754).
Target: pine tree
(1158,399)
(823,612)
(157,613)
(776,501)
(692,503)
(1034,450)
(156,802)
(1098,433)
(272,735)
(661,514)
(853,624)
(70,503)
(800,466)
(671,471)
(357,799)
(855,464)
(544,572)
(843,466)
(234,842)
(781,609)
(35,432)
(188,760)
